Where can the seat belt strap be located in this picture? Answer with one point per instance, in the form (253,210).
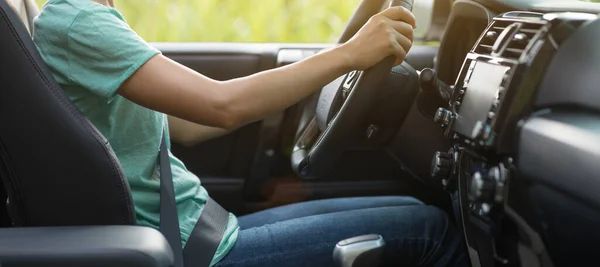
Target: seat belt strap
(169,221)
(208,231)
(206,236)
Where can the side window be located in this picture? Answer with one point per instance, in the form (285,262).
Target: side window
(264,21)
(423,11)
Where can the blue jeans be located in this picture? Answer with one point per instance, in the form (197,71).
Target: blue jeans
(305,234)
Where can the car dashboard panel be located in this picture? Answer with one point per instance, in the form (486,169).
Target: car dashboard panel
(524,122)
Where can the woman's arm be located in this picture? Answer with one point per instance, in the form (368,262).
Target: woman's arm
(189,134)
(166,86)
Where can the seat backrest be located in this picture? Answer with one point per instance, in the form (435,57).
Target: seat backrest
(57,169)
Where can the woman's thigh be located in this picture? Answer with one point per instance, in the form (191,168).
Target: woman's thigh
(317,207)
(415,235)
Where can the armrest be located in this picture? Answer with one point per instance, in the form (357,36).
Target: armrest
(84,246)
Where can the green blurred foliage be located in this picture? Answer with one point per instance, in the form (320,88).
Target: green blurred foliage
(288,21)
(299,21)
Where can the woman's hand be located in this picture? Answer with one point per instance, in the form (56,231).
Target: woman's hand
(387,33)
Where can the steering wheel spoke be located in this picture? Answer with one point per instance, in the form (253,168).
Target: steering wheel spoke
(309,135)
(349,82)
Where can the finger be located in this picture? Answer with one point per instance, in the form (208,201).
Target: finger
(399,13)
(399,55)
(403,41)
(399,52)
(403,28)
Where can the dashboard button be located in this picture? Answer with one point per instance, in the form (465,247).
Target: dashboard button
(372,131)
(486,133)
(482,188)
(498,175)
(441,165)
(443,117)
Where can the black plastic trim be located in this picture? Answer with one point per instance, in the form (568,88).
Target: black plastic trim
(561,150)
(572,76)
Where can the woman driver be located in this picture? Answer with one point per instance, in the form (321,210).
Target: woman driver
(125,87)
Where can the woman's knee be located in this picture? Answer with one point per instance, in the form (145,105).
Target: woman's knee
(385,201)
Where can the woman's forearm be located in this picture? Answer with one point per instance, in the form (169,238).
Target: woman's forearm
(280,88)
(251,98)
(169,87)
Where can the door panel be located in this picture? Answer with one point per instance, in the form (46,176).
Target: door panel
(249,169)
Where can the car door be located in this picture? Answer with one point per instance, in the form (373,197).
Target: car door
(249,168)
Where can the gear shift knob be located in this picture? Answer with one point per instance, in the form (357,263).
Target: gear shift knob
(360,251)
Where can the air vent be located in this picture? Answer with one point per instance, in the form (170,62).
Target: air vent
(507,39)
(486,44)
(522,37)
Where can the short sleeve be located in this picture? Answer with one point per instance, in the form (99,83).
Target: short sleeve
(104,52)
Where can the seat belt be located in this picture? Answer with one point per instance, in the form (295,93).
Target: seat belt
(208,231)
(206,236)
(169,221)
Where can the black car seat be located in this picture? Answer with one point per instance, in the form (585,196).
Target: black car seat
(22,9)
(55,167)
(64,200)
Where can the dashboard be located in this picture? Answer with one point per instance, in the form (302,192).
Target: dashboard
(523,118)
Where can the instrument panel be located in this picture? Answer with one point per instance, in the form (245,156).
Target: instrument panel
(495,92)
(499,78)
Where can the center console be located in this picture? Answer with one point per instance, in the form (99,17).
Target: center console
(494,93)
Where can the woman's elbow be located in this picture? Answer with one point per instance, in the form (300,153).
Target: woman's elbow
(229,115)
(230,122)
(228,106)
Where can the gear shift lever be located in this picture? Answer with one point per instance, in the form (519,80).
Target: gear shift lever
(360,251)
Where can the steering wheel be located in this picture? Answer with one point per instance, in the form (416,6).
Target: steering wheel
(341,109)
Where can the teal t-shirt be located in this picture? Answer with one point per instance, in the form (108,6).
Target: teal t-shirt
(91,51)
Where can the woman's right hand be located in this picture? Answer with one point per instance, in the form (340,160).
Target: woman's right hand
(388,33)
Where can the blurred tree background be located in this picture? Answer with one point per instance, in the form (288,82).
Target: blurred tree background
(286,21)
(301,21)
(289,21)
